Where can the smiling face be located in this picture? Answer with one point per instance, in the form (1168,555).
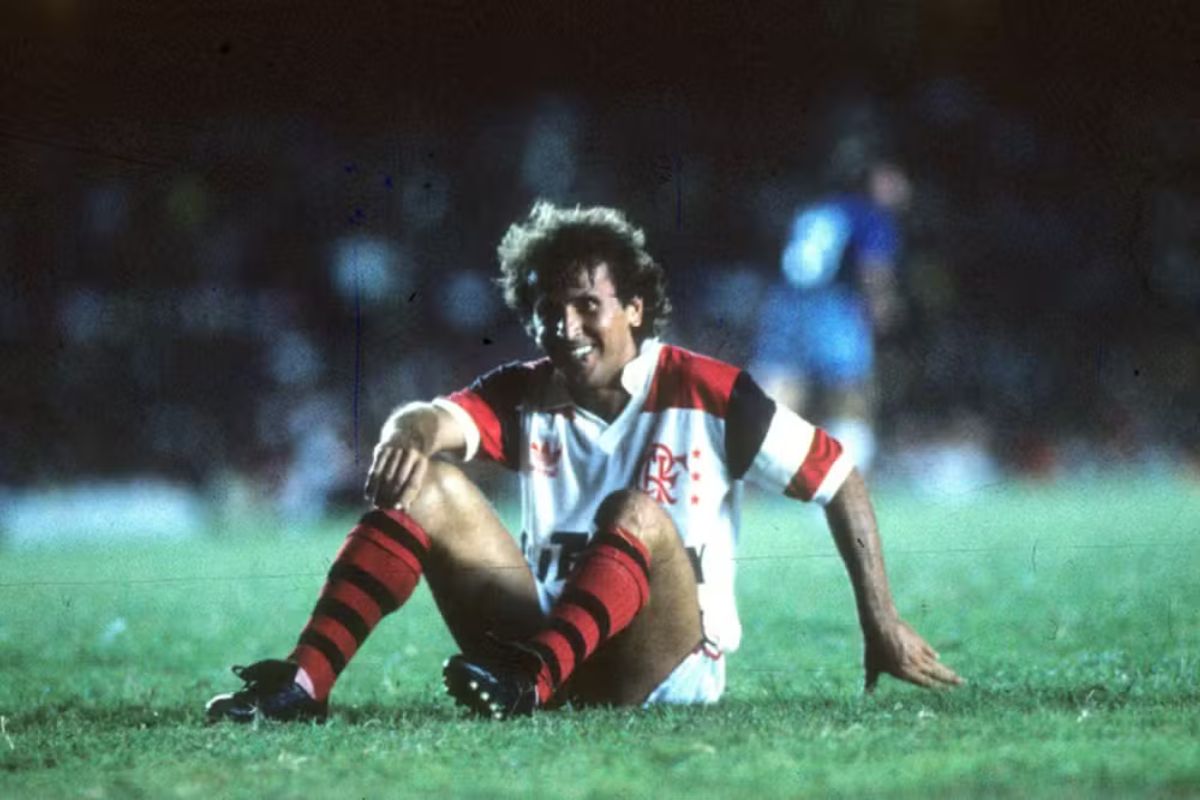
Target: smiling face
(588,332)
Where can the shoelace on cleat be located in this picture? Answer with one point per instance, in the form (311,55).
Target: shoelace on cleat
(264,677)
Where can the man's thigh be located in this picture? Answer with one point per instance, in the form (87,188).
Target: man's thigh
(479,579)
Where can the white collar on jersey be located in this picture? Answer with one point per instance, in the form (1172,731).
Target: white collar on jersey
(636,375)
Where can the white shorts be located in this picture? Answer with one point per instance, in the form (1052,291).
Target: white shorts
(699,678)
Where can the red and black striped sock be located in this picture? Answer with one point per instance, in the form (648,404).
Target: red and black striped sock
(373,574)
(601,597)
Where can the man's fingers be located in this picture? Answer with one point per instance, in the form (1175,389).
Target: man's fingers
(395,461)
(398,467)
(943,674)
(372,484)
(404,470)
(919,678)
(389,474)
(412,486)
(931,674)
(384,472)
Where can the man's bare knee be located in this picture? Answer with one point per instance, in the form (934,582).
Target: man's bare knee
(445,492)
(636,513)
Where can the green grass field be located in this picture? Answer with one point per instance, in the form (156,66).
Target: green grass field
(1073,609)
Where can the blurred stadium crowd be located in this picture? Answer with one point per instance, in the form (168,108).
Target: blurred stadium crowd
(248,312)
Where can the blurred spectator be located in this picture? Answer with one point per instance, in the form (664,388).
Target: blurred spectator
(814,347)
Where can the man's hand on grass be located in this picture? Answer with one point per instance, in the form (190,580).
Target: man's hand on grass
(900,651)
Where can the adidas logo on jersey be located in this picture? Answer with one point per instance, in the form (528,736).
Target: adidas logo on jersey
(544,457)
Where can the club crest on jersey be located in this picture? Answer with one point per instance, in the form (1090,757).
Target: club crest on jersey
(661,472)
(544,457)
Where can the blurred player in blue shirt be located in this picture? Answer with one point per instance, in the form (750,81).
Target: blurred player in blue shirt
(814,350)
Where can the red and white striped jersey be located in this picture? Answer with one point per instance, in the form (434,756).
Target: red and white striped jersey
(693,429)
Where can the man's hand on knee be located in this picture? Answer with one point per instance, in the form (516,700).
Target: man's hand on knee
(396,474)
(410,437)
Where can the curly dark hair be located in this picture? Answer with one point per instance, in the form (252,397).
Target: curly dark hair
(542,254)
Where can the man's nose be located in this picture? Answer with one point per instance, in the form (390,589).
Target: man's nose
(568,323)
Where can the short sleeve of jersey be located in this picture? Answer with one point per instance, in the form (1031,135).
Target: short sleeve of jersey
(792,455)
(488,411)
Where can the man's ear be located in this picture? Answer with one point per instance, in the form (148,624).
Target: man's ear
(634,311)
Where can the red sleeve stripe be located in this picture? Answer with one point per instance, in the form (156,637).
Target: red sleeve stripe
(486,421)
(687,380)
(816,465)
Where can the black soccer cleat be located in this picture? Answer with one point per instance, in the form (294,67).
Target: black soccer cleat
(271,692)
(492,689)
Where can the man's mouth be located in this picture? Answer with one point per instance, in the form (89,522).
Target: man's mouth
(577,353)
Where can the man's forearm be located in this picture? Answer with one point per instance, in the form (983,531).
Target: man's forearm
(856,533)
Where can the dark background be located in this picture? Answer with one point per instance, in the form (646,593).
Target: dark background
(178,179)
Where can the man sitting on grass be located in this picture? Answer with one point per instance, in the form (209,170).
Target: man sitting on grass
(630,453)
